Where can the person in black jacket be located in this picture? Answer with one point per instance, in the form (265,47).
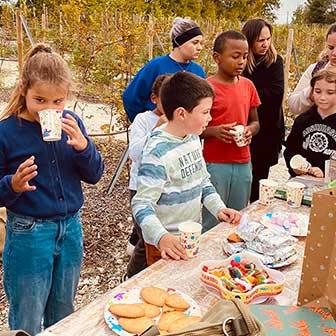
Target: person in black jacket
(313,134)
(265,69)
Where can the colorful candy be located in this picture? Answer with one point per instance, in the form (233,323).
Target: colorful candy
(240,275)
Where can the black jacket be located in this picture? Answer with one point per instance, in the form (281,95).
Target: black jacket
(312,137)
(269,82)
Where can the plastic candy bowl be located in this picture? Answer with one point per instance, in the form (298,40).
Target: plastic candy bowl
(242,276)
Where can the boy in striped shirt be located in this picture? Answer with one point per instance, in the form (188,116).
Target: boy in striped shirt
(172,179)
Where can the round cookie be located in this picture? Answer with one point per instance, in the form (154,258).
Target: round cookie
(150,310)
(136,325)
(154,295)
(127,310)
(176,301)
(182,322)
(167,319)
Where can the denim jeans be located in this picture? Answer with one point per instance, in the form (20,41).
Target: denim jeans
(42,260)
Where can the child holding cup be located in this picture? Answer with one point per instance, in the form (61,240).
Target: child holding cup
(313,136)
(227,155)
(40,184)
(172,178)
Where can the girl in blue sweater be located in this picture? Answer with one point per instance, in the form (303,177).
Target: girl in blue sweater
(40,185)
(187,40)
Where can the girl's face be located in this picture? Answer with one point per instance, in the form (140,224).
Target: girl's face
(263,42)
(331,48)
(43,96)
(324,96)
(191,49)
(232,60)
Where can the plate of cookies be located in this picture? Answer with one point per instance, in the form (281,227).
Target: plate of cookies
(136,309)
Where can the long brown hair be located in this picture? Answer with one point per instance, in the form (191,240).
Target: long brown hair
(41,65)
(252,29)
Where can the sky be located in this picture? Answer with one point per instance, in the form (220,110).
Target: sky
(286,10)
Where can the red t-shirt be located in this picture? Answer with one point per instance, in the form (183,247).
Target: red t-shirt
(232,103)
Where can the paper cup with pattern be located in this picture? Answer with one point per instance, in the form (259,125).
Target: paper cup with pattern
(238,135)
(267,190)
(294,192)
(51,124)
(190,233)
(299,162)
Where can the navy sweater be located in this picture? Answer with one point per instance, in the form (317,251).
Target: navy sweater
(312,137)
(60,170)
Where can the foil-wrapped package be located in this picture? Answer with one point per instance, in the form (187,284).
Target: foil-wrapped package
(272,245)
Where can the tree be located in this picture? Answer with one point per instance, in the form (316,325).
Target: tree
(318,11)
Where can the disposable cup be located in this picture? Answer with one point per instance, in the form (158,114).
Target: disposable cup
(190,233)
(51,124)
(299,162)
(294,192)
(267,190)
(238,135)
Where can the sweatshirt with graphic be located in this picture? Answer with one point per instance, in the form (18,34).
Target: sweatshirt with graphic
(313,137)
(173,182)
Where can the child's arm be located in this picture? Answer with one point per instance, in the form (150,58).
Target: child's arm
(139,134)
(315,171)
(253,125)
(221,132)
(229,216)
(88,160)
(151,180)
(293,146)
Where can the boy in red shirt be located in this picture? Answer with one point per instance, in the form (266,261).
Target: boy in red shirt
(235,103)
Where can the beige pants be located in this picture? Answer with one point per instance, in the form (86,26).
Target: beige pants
(3,217)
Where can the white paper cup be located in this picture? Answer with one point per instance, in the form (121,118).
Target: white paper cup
(190,233)
(51,124)
(299,162)
(238,135)
(267,190)
(294,192)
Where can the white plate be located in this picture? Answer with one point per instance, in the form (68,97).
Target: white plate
(132,295)
(299,230)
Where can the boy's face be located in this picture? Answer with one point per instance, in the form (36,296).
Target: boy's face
(232,60)
(197,120)
(324,96)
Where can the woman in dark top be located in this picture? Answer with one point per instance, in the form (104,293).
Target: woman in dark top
(265,69)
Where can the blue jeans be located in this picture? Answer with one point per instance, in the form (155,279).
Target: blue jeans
(42,260)
(233,184)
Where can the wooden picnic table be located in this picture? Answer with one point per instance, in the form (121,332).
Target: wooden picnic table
(184,276)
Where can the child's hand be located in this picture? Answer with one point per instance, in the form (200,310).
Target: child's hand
(315,171)
(170,247)
(25,172)
(76,138)
(247,135)
(229,215)
(223,132)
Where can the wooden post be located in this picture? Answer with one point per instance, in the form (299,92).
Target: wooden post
(288,56)
(19,41)
(150,39)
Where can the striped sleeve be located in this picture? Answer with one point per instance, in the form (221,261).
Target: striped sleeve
(151,180)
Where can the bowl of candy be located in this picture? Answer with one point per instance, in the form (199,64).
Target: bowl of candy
(242,276)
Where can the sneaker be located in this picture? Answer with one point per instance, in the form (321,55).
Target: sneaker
(129,248)
(123,278)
